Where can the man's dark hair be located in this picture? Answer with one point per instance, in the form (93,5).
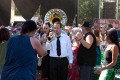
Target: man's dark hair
(28,26)
(110,25)
(87,24)
(59,24)
(47,23)
(55,20)
(4,34)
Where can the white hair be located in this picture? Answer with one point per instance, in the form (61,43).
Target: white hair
(75,30)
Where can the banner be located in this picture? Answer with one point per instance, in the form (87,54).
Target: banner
(104,23)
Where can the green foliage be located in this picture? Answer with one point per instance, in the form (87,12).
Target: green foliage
(88,10)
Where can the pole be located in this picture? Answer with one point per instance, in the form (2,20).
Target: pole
(78,12)
(99,9)
(116,9)
(12,12)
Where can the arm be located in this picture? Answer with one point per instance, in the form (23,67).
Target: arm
(88,42)
(70,53)
(115,52)
(98,41)
(69,50)
(38,47)
(77,41)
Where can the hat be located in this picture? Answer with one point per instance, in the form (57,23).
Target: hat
(87,24)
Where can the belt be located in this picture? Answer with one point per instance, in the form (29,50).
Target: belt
(58,58)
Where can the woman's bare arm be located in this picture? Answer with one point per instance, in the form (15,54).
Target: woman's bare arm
(41,51)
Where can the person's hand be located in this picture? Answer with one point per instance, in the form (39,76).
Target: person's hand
(98,71)
(76,38)
(52,35)
(70,66)
(44,38)
(79,35)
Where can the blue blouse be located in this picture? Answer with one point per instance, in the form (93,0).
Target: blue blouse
(20,61)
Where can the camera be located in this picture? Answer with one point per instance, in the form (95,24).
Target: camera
(49,38)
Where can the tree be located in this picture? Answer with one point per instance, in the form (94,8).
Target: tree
(88,10)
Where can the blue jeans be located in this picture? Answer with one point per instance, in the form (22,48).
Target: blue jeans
(86,72)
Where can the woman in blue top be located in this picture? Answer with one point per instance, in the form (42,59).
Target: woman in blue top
(21,56)
(98,52)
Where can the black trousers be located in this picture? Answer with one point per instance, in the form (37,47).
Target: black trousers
(86,72)
(58,68)
(45,66)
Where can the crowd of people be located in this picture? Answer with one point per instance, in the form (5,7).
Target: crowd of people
(31,50)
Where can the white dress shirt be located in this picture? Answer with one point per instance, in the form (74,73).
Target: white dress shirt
(66,49)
